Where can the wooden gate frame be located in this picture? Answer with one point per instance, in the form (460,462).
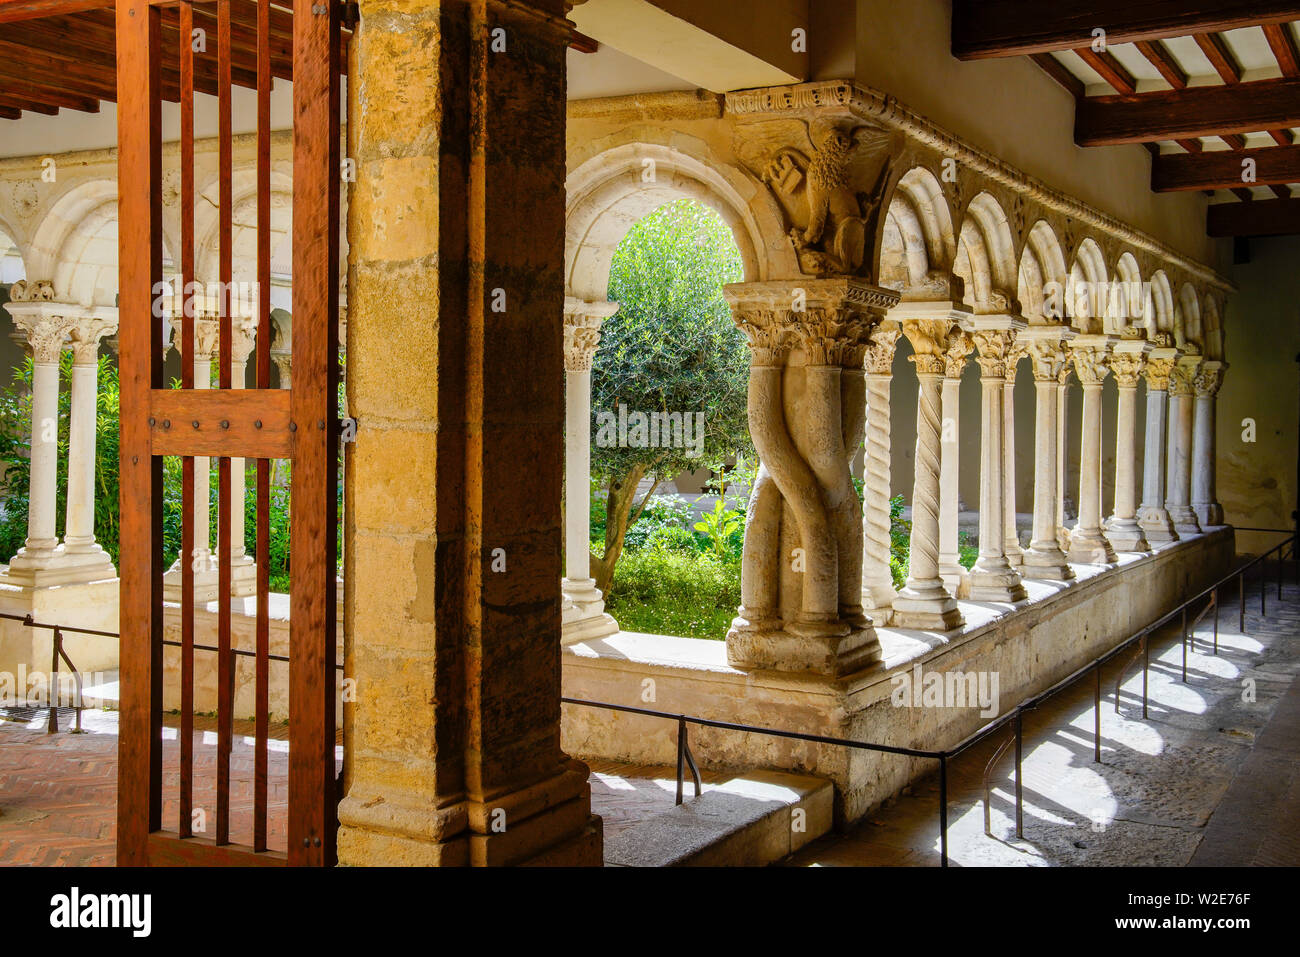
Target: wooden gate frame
(300,424)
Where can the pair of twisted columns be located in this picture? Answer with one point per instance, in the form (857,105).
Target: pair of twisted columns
(583,606)
(50,327)
(243,580)
(801,573)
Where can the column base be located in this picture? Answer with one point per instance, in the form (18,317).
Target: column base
(996,580)
(1208,514)
(1125,535)
(878,602)
(956,579)
(1046,562)
(1155,525)
(583,612)
(926,606)
(1014,555)
(58,566)
(1184,519)
(1089,546)
(827,648)
(243,581)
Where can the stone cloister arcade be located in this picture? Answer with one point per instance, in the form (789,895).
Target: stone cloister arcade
(875,246)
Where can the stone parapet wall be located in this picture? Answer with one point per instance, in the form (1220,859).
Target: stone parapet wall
(1063,626)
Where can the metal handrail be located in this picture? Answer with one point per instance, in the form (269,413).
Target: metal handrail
(1015,715)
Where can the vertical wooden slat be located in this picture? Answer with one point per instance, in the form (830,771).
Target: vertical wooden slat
(312,543)
(225,660)
(263,382)
(139,115)
(187,382)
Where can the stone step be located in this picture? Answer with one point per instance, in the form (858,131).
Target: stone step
(751,820)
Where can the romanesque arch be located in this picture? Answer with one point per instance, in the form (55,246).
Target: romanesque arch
(1042,275)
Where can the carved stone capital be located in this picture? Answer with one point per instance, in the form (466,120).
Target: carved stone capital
(85,335)
(1127,368)
(879,357)
(582,322)
(1091,363)
(32,290)
(207,332)
(996,347)
(1157,372)
(829,320)
(46,325)
(1048,358)
(960,346)
(1180,379)
(1208,379)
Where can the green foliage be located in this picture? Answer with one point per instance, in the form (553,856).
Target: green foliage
(721,527)
(667,591)
(900,537)
(662,511)
(672,346)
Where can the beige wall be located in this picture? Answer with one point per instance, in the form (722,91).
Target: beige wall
(1257,481)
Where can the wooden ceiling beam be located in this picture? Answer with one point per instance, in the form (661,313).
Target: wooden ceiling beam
(22,86)
(1182,114)
(1282,43)
(1109,68)
(12,11)
(1166,64)
(1003,28)
(1061,74)
(1263,217)
(1216,51)
(27,106)
(1222,169)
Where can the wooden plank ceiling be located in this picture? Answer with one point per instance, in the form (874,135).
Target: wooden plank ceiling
(1212,89)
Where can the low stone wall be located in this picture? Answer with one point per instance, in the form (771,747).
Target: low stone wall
(92,605)
(243,636)
(1027,647)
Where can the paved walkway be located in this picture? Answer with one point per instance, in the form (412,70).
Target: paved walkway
(1213,777)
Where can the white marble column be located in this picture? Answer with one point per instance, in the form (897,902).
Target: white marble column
(1062,451)
(46,324)
(924,602)
(992,578)
(1204,494)
(583,610)
(877,579)
(955,576)
(1122,530)
(1090,354)
(1011,532)
(243,567)
(204,562)
(1153,517)
(1044,559)
(80,549)
(1179,488)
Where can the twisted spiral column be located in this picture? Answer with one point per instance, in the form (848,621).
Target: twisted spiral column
(877,581)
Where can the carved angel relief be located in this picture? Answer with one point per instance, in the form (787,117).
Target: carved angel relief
(816,173)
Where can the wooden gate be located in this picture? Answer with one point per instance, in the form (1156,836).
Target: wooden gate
(156,59)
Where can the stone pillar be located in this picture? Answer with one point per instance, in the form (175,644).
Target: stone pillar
(955,576)
(455,371)
(992,578)
(1153,517)
(243,567)
(1011,533)
(1204,495)
(1178,497)
(1044,559)
(1062,451)
(924,602)
(1087,543)
(1122,530)
(206,332)
(79,546)
(584,607)
(801,570)
(46,324)
(877,579)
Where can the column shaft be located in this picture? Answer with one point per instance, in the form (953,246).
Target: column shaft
(1044,559)
(1122,530)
